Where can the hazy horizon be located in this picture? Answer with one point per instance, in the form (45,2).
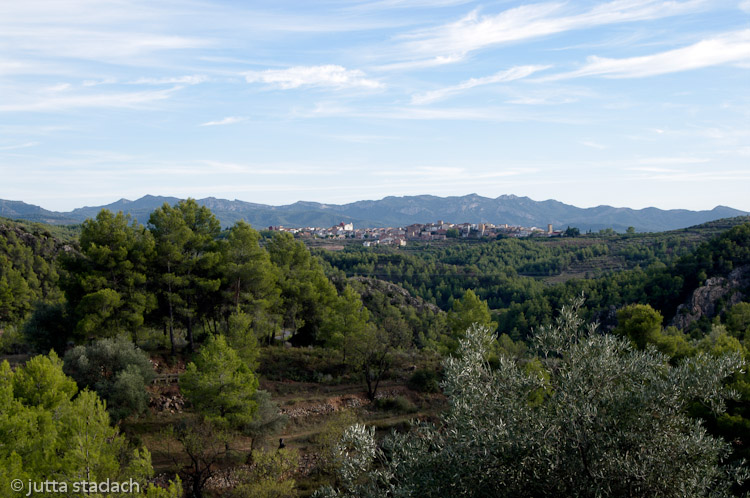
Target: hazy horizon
(106,203)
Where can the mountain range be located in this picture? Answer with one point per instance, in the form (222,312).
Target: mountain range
(398,211)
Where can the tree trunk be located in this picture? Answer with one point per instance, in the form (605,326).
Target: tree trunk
(191,344)
(171,325)
(171,311)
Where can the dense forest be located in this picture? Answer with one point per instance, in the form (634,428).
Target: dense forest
(524,280)
(100,314)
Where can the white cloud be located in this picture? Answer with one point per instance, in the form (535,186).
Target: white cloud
(474,31)
(497,114)
(18,146)
(226,121)
(593,145)
(697,176)
(514,73)
(363,139)
(724,49)
(10,66)
(104,81)
(101,30)
(451,173)
(57,102)
(654,170)
(60,87)
(193,79)
(745,6)
(529,100)
(673,160)
(105,46)
(320,76)
(549,95)
(408,4)
(440,60)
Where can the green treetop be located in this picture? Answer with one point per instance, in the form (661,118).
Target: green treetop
(107,285)
(346,323)
(47,432)
(220,385)
(306,292)
(640,323)
(186,260)
(250,281)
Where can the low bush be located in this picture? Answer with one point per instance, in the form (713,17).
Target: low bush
(399,404)
(303,365)
(424,381)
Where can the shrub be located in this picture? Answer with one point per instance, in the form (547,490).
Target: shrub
(329,437)
(424,381)
(49,327)
(398,404)
(270,475)
(11,340)
(117,370)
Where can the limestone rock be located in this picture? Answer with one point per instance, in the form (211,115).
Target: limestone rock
(704,300)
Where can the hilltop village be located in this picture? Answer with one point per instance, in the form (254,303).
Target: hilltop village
(418,232)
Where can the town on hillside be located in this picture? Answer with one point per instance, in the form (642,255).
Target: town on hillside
(440,230)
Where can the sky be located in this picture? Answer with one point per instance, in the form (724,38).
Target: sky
(630,103)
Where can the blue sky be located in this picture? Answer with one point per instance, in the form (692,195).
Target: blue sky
(631,103)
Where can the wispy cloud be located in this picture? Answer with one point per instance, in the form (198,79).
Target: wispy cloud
(696,176)
(648,169)
(226,121)
(439,60)
(495,114)
(474,31)
(14,67)
(18,146)
(408,4)
(278,168)
(330,75)
(105,46)
(512,74)
(549,95)
(428,173)
(425,172)
(673,160)
(541,100)
(724,49)
(194,79)
(363,139)
(593,145)
(56,101)
(103,81)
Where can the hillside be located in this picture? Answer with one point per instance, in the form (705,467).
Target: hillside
(405,306)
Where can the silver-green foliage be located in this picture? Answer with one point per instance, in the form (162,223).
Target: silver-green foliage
(599,419)
(117,370)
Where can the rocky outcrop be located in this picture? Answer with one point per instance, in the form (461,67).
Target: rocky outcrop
(397,295)
(326,407)
(174,403)
(705,299)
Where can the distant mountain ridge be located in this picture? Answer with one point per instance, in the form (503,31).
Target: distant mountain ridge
(399,211)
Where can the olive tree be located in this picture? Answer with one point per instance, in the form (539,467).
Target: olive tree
(599,418)
(117,370)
